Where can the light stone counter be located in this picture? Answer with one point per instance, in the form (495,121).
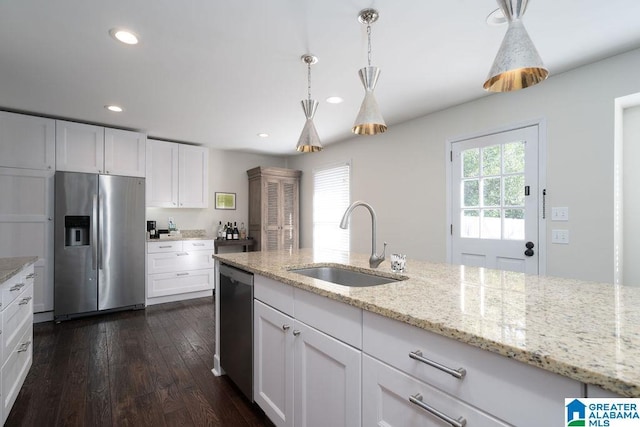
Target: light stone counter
(187,235)
(9,267)
(583,330)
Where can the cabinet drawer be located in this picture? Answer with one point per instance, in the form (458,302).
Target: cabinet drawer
(158,247)
(499,385)
(179,283)
(273,293)
(15,369)
(197,245)
(16,285)
(14,318)
(172,262)
(385,401)
(340,320)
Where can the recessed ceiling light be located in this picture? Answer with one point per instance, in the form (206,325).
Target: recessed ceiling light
(496,18)
(124,36)
(263,135)
(114,108)
(334,100)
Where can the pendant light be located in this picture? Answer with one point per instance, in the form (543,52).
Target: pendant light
(309,141)
(518,64)
(369,120)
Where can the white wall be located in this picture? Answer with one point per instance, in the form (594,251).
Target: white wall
(402,172)
(631,197)
(227,173)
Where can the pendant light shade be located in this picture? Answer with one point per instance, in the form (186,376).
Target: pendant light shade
(369,120)
(517,64)
(309,141)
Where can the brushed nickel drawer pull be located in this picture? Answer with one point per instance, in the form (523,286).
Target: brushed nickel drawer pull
(31,275)
(164,247)
(24,347)
(16,287)
(458,373)
(198,244)
(183,254)
(416,399)
(182,274)
(24,301)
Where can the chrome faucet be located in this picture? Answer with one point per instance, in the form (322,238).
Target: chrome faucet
(374,259)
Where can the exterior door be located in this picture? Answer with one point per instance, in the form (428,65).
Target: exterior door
(495,201)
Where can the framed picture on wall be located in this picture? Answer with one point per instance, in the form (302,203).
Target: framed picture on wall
(226,201)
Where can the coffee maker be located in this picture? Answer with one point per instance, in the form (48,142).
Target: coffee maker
(152,230)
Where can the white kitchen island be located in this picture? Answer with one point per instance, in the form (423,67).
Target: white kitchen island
(525,342)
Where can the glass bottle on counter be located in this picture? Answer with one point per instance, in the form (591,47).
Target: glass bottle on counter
(221,232)
(243,231)
(229,231)
(236,233)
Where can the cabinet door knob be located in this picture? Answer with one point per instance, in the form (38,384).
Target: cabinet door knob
(285,327)
(296,333)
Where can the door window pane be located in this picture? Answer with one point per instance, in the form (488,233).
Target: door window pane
(514,190)
(470,223)
(491,160)
(491,192)
(490,224)
(470,163)
(471,193)
(514,157)
(513,224)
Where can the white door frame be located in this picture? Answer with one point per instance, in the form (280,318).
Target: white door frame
(542,182)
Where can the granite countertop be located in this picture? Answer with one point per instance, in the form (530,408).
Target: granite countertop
(583,330)
(186,235)
(9,267)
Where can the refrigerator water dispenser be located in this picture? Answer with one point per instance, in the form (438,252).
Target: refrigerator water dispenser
(76,230)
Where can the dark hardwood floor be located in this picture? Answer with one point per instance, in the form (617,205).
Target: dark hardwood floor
(133,368)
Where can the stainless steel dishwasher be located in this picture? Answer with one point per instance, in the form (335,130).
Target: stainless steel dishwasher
(236,327)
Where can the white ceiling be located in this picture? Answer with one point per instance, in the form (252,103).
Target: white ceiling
(218,72)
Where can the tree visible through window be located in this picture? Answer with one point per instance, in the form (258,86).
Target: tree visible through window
(331,197)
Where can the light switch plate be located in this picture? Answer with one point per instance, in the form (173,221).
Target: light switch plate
(560,214)
(560,237)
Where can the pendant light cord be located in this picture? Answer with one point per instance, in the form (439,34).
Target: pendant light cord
(309,80)
(369,41)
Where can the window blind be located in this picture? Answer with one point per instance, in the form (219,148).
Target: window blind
(331,197)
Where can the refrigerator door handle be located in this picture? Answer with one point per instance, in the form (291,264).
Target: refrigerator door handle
(94,233)
(101,231)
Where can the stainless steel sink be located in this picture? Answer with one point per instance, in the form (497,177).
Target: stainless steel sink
(345,277)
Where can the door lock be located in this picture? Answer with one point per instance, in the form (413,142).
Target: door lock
(529,251)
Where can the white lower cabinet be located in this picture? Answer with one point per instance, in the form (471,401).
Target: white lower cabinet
(393,398)
(178,270)
(16,325)
(302,376)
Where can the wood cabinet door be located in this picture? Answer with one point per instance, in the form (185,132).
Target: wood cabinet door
(271,211)
(79,147)
(289,215)
(124,152)
(273,363)
(27,141)
(193,178)
(162,174)
(327,379)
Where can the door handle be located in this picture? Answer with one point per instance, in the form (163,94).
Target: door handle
(529,251)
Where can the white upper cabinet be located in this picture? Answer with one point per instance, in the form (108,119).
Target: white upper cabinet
(177,175)
(95,149)
(193,181)
(124,152)
(27,142)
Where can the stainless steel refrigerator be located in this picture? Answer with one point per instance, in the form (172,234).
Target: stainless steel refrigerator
(99,244)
